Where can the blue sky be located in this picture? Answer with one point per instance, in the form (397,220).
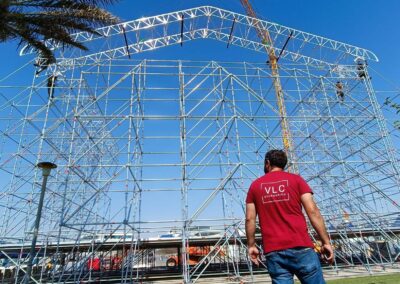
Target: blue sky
(362,23)
(366,23)
(370,24)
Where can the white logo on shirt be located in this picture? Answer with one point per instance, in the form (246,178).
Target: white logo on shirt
(276,191)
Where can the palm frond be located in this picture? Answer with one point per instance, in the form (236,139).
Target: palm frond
(34,22)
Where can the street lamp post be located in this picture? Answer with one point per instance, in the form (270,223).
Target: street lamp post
(46,169)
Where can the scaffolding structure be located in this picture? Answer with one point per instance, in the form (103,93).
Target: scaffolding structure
(147,148)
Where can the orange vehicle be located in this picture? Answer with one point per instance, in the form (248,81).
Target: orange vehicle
(94,264)
(196,254)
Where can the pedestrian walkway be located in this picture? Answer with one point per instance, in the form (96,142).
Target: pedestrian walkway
(329,274)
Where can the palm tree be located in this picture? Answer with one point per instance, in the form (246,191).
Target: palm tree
(32,22)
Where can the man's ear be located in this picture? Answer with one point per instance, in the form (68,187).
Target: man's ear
(266,165)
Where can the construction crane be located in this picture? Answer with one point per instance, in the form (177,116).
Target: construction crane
(266,39)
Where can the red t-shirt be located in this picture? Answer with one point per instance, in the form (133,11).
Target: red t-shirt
(276,196)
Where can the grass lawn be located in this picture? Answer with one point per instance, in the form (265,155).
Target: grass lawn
(379,279)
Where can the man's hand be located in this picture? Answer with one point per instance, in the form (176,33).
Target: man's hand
(318,224)
(251,215)
(254,253)
(327,253)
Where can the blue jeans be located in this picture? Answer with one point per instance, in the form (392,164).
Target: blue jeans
(303,262)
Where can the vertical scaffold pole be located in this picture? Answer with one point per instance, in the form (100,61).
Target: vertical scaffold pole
(184,193)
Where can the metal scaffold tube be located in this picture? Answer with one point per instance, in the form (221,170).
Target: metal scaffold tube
(155,157)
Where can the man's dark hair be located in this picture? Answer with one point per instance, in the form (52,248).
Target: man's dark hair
(276,158)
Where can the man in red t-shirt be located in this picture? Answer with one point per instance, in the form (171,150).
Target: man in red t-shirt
(278,198)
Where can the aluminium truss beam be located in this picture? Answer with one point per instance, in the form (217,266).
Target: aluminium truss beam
(221,14)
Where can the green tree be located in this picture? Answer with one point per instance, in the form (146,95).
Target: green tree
(33,22)
(396,107)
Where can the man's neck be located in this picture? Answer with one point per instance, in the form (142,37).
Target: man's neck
(276,169)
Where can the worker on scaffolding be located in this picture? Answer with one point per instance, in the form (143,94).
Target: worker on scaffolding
(41,65)
(361,69)
(339,91)
(278,198)
(51,84)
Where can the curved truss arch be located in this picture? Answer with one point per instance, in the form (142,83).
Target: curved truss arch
(215,23)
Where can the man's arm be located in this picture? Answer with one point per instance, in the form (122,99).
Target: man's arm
(318,224)
(251,215)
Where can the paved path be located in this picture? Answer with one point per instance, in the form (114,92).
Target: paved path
(357,271)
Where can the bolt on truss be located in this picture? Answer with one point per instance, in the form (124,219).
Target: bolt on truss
(155,156)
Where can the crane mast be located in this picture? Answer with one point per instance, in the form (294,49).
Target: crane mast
(265,37)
